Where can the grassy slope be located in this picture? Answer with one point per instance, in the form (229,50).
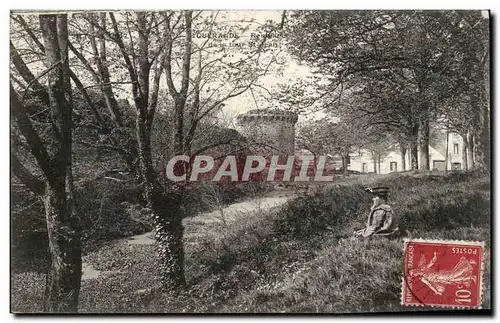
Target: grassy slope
(301,258)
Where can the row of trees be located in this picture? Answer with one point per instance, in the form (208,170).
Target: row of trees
(399,73)
(324,137)
(67,75)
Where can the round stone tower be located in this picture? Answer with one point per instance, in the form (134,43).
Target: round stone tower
(272,130)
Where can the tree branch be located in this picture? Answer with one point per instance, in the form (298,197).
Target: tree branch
(36,145)
(27,76)
(33,183)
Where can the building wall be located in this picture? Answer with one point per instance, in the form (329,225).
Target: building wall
(455,153)
(438,152)
(436,156)
(362,161)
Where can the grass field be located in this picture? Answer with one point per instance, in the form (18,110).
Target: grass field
(297,258)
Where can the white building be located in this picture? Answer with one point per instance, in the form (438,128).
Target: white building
(362,161)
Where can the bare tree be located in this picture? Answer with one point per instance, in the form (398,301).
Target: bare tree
(156,44)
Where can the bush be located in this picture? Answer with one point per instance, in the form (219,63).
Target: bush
(325,210)
(109,210)
(209,196)
(27,292)
(305,259)
(441,203)
(29,247)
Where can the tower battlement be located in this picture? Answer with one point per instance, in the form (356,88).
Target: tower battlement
(267,115)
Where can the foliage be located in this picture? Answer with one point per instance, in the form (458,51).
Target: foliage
(29,242)
(394,70)
(112,211)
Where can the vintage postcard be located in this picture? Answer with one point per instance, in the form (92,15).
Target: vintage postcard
(250,161)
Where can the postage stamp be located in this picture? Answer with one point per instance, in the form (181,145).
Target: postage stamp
(442,273)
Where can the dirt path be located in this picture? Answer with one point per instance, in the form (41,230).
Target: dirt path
(227,214)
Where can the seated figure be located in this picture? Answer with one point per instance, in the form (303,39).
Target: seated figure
(381,220)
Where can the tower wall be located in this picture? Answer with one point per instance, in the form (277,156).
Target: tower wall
(273,131)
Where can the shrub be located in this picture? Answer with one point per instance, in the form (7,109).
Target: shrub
(108,211)
(440,203)
(313,214)
(209,196)
(27,292)
(339,273)
(29,247)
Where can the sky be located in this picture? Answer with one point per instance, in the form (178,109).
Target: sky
(245,101)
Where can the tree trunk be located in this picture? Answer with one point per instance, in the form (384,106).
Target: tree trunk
(483,157)
(414,147)
(465,164)
(446,152)
(403,150)
(375,163)
(424,142)
(470,150)
(344,165)
(165,204)
(63,280)
(482,146)
(166,212)
(414,154)
(379,163)
(102,67)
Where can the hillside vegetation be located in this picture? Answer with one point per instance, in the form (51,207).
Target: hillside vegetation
(297,258)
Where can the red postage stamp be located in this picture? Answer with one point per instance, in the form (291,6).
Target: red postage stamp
(442,273)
